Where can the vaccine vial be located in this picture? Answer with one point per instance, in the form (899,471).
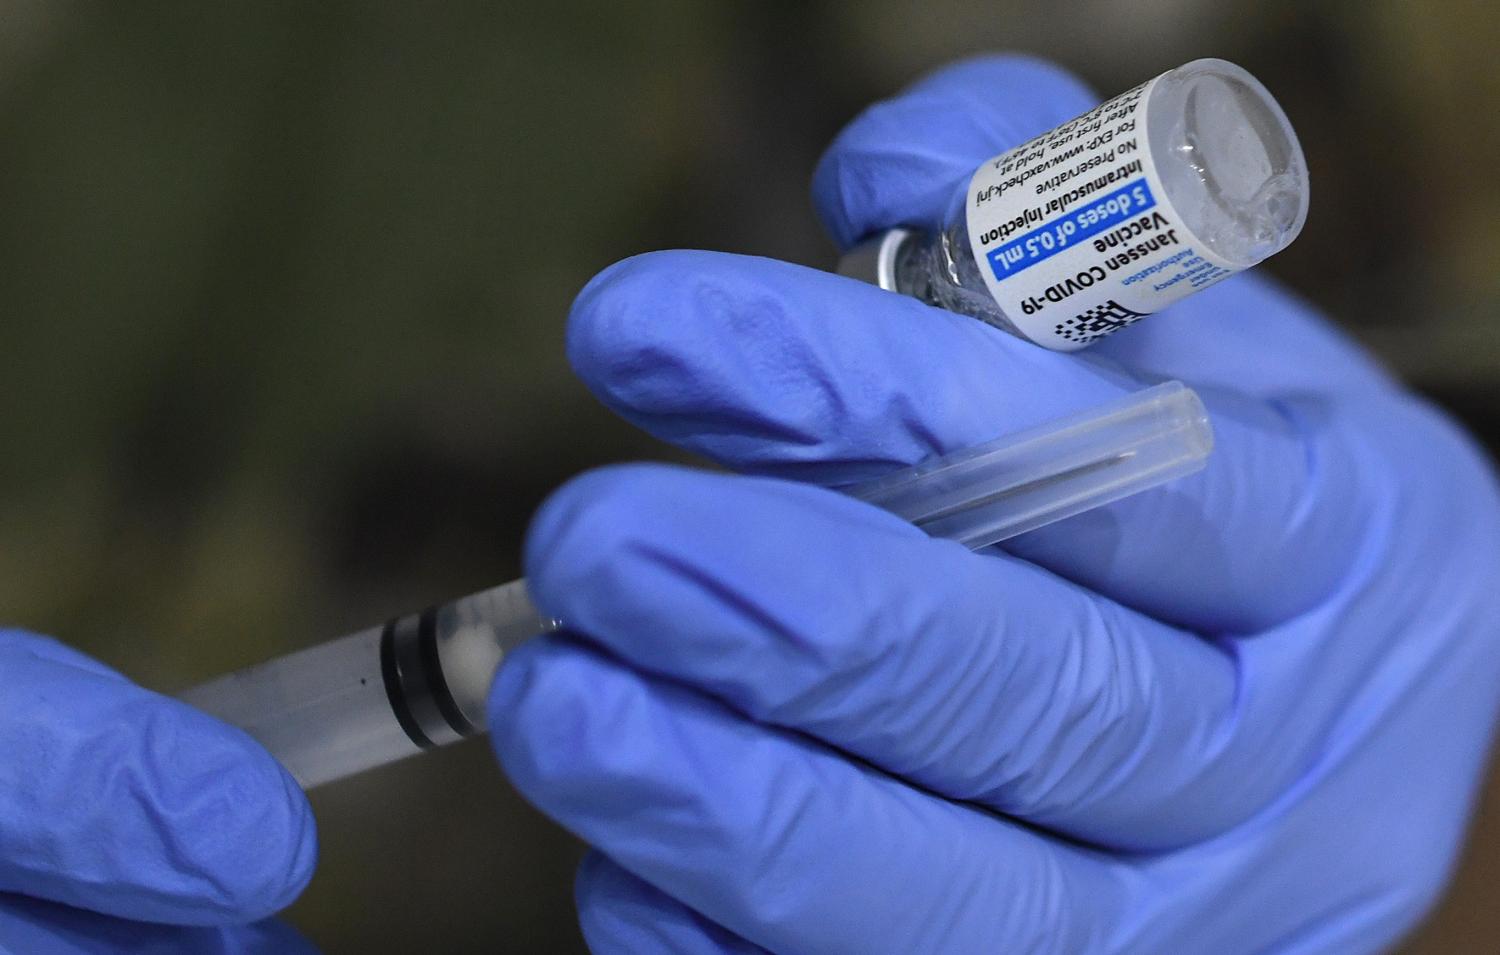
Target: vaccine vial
(1086,229)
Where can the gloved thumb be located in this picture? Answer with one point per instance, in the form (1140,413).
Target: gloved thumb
(124,802)
(900,161)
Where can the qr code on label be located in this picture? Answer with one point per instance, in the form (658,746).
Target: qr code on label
(1094,324)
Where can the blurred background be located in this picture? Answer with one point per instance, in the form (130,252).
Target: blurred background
(283,290)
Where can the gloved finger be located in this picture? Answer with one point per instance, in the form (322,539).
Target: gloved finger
(46,648)
(901,161)
(126,803)
(621,915)
(779,840)
(36,927)
(776,369)
(984,680)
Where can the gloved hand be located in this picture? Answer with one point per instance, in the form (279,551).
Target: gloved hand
(1244,713)
(130,822)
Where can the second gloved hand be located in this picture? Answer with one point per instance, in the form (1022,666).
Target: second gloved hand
(130,822)
(1245,713)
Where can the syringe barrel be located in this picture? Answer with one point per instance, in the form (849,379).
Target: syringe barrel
(324,711)
(378,695)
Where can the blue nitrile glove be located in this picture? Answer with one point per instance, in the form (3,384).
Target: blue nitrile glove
(130,822)
(1244,713)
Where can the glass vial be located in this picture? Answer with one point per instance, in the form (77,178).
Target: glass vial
(1157,193)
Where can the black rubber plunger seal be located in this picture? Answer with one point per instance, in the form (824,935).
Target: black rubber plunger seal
(437,683)
(414,682)
(395,691)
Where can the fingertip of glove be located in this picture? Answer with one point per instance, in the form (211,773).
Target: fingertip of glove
(1044,91)
(583,522)
(139,806)
(236,825)
(898,162)
(541,716)
(603,892)
(37,646)
(621,328)
(585,738)
(671,333)
(769,367)
(618,912)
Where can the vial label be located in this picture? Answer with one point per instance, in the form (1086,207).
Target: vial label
(1075,235)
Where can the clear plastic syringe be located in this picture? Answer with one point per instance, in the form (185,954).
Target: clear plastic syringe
(421,680)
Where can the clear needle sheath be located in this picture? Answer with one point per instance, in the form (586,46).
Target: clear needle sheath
(421,680)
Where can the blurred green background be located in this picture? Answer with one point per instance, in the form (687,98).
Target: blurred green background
(284,287)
